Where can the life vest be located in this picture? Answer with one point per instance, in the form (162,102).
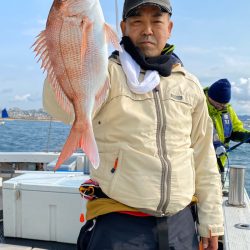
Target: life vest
(227,124)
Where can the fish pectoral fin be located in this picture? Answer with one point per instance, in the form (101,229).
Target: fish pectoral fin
(87,27)
(111,37)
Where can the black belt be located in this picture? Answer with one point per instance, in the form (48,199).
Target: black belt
(162,229)
(162,226)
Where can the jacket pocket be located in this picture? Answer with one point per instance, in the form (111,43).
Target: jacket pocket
(136,180)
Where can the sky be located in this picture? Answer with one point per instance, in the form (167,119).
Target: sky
(212,39)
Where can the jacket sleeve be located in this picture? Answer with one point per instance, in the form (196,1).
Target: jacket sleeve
(239,132)
(208,182)
(52,107)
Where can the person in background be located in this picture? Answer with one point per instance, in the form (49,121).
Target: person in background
(154,136)
(227,126)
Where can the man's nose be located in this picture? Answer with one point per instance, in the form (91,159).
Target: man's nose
(147,29)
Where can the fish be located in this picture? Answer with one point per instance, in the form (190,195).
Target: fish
(73,49)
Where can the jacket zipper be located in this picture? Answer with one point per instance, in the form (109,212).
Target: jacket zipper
(161,146)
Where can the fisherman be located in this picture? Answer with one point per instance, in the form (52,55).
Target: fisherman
(154,137)
(227,125)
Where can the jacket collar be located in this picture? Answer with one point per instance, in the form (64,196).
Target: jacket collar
(176,68)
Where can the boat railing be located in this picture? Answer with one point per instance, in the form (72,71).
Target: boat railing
(16,163)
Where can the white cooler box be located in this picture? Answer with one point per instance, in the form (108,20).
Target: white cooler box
(43,206)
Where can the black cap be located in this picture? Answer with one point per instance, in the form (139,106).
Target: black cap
(130,5)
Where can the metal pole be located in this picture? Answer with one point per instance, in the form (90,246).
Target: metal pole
(236,186)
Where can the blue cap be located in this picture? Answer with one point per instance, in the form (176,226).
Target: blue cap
(220,91)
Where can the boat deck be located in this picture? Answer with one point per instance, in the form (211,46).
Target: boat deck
(237,225)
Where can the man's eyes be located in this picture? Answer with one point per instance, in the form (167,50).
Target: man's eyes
(157,21)
(136,21)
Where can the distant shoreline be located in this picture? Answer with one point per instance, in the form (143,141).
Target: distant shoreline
(25,119)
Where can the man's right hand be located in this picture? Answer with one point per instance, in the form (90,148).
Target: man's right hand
(210,243)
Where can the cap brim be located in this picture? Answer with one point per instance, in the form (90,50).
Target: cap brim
(134,8)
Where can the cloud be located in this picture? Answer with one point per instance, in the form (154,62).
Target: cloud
(206,51)
(34,31)
(23,98)
(236,62)
(211,63)
(241,90)
(42,21)
(6,91)
(241,95)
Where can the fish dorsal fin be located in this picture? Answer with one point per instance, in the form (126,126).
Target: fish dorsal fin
(101,96)
(41,49)
(111,37)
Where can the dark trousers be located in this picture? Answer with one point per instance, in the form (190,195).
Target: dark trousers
(116,231)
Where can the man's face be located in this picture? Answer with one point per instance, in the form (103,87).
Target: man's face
(149,29)
(217,105)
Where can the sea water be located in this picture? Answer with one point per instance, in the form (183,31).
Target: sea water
(28,136)
(47,136)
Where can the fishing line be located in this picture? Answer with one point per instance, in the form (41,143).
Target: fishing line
(49,134)
(227,172)
(117,17)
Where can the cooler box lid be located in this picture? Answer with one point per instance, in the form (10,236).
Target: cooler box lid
(61,182)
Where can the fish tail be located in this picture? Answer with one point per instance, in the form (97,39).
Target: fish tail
(80,138)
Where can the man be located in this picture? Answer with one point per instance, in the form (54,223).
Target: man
(227,125)
(154,138)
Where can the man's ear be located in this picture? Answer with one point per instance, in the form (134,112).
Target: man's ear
(170,27)
(123,27)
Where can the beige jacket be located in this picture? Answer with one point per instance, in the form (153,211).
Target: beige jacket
(156,149)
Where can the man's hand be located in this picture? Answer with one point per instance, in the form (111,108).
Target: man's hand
(220,151)
(210,243)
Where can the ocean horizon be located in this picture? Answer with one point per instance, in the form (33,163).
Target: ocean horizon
(50,136)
